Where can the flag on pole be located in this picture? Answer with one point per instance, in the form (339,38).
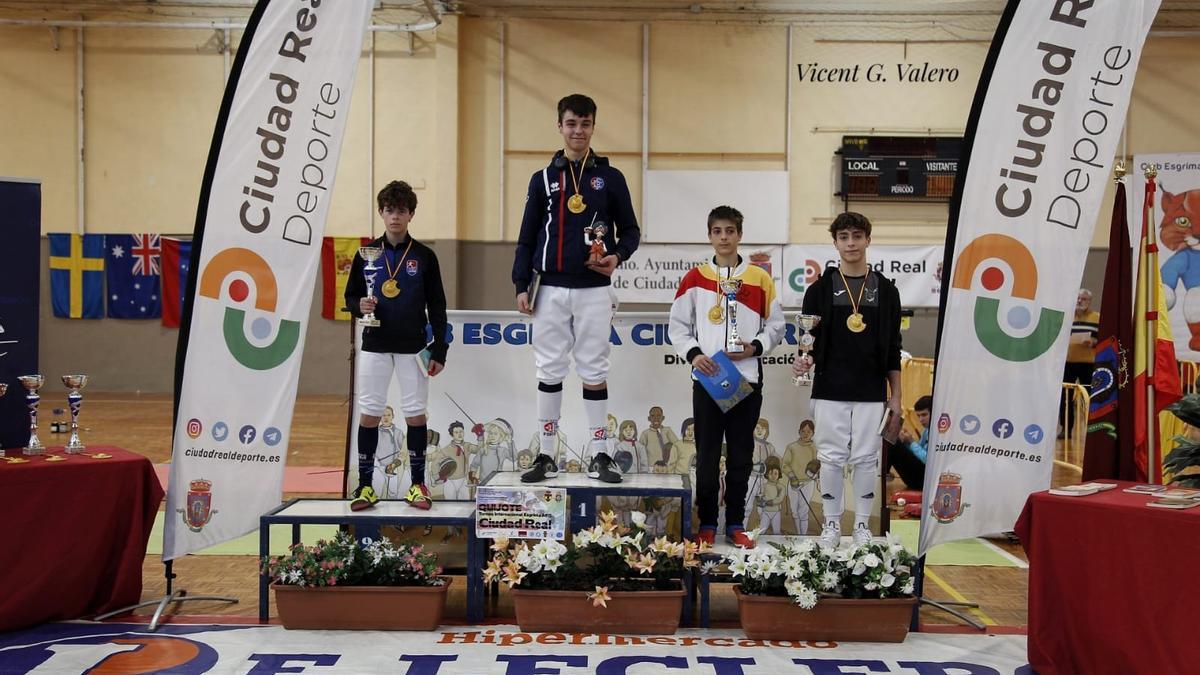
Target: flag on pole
(1156,372)
(77,275)
(1109,441)
(133,270)
(176,257)
(337,254)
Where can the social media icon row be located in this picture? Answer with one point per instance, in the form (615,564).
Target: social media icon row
(1002,428)
(246,435)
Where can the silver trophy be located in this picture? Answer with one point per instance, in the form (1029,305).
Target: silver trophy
(74,400)
(32,383)
(804,324)
(370,254)
(730,288)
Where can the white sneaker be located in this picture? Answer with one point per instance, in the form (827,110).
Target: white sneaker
(831,535)
(861,535)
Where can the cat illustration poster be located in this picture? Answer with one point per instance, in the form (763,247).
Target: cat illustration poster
(1176,226)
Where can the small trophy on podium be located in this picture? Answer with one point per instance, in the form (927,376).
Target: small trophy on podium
(594,235)
(74,400)
(370,254)
(804,324)
(731,287)
(32,383)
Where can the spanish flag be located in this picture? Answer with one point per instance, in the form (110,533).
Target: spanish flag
(337,254)
(1156,372)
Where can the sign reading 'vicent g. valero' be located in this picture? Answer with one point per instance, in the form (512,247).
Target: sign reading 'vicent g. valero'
(915,73)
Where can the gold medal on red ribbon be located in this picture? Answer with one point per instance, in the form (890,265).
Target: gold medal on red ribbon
(717,313)
(390,288)
(855,323)
(575,202)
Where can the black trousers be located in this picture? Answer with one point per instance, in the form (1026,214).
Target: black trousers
(911,469)
(736,429)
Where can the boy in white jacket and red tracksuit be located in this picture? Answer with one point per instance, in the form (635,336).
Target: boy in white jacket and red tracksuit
(700,327)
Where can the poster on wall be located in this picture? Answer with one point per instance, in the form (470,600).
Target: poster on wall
(1176,227)
(483,417)
(20,269)
(1039,158)
(654,271)
(916,270)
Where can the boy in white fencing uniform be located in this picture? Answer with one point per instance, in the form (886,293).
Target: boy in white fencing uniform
(578,225)
(410,295)
(857,362)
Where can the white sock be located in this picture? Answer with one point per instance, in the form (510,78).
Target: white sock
(549,405)
(865,482)
(597,417)
(833,479)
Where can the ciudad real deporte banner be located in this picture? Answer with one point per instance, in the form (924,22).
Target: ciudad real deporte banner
(257,243)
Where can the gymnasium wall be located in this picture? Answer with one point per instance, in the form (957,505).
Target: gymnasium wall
(718,99)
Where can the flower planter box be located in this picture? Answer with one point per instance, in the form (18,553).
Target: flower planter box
(628,612)
(361,607)
(837,619)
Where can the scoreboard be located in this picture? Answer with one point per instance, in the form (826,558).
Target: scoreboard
(918,168)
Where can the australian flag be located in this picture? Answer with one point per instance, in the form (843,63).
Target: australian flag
(134,276)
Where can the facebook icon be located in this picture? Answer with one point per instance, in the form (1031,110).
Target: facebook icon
(246,435)
(1002,428)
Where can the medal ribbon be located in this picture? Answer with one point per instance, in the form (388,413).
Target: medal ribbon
(850,294)
(571,168)
(392,273)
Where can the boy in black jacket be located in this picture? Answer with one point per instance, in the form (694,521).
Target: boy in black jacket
(574,211)
(410,294)
(857,378)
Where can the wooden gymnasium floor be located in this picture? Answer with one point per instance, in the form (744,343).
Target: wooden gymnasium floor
(141,423)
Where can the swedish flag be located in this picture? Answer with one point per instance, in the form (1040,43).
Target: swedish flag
(77,275)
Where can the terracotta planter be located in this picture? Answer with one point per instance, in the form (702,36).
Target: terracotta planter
(833,619)
(628,613)
(361,607)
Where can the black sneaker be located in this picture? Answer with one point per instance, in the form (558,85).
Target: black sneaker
(543,468)
(601,467)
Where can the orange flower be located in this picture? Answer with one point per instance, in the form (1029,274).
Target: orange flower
(600,598)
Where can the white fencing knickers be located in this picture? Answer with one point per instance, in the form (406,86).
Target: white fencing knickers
(373,373)
(573,322)
(847,433)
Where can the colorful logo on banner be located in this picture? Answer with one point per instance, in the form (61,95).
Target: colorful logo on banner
(1020,281)
(803,277)
(947,501)
(243,261)
(199,505)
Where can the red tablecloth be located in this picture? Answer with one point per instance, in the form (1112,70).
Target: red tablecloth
(73,534)
(1113,584)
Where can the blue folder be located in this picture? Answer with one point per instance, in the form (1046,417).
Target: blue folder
(728,386)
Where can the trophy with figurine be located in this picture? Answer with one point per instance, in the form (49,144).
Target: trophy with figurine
(804,325)
(730,288)
(370,254)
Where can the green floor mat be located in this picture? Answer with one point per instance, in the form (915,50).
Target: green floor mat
(972,551)
(281,539)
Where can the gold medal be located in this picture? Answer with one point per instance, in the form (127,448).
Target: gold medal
(390,288)
(717,313)
(855,323)
(575,204)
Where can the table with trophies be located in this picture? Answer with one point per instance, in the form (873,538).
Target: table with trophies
(78,519)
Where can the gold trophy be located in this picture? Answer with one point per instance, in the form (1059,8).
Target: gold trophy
(370,254)
(806,340)
(74,400)
(32,383)
(730,288)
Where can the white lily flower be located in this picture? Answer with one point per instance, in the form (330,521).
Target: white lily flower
(871,560)
(638,518)
(887,580)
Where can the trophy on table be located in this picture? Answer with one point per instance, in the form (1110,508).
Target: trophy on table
(32,383)
(731,287)
(804,324)
(74,400)
(370,254)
